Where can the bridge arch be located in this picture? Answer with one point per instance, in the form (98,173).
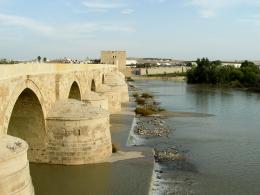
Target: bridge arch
(75,92)
(18,90)
(27,120)
(93,85)
(103,79)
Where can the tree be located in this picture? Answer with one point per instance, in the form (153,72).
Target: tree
(39,58)
(249,66)
(44,59)
(214,73)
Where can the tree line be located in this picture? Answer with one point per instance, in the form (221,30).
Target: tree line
(212,72)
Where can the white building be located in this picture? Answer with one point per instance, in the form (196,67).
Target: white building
(131,62)
(235,64)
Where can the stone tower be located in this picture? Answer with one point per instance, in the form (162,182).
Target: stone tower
(114,57)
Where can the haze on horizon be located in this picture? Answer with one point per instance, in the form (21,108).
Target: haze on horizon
(186,29)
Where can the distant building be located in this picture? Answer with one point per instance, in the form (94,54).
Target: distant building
(235,64)
(194,64)
(117,58)
(131,62)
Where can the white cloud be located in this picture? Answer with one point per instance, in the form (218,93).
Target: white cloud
(101,6)
(81,30)
(13,20)
(162,1)
(210,8)
(127,11)
(65,30)
(206,13)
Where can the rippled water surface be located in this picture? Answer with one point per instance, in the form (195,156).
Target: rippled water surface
(224,148)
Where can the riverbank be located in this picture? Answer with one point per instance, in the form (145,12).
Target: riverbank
(155,127)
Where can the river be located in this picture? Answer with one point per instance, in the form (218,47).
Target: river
(223,150)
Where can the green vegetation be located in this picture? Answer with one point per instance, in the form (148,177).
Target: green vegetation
(129,79)
(146,104)
(39,58)
(146,95)
(144,111)
(114,148)
(136,94)
(248,75)
(146,65)
(140,101)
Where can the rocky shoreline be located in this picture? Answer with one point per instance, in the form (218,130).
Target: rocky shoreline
(152,126)
(168,154)
(155,126)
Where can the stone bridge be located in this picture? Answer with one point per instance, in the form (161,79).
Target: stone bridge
(61,111)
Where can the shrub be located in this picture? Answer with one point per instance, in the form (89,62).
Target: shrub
(129,79)
(136,94)
(147,95)
(161,109)
(140,101)
(144,111)
(236,84)
(114,148)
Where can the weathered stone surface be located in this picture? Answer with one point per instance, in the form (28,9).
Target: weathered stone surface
(114,98)
(14,167)
(96,100)
(78,133)
(117,82)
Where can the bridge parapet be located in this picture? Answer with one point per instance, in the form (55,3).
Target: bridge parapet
(16,70)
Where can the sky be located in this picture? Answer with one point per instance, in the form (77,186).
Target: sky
(179,29)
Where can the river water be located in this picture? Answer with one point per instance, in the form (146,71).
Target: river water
(223,151)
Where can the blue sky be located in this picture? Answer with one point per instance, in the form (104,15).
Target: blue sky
(180,29)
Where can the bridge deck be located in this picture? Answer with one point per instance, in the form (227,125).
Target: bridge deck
(15,70)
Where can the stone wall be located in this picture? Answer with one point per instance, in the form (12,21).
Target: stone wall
(161,70)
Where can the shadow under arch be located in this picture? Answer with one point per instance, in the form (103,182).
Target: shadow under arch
(27,122)
(93,85)
(103,79)
(75,91)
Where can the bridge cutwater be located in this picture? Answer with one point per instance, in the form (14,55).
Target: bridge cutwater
(56,114)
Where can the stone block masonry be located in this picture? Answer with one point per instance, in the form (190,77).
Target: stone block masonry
(78,134)
(14,167)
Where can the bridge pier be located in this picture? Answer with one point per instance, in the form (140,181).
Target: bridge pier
(96,100)
(114,98)
(14,167)
(78,133)
(117,82)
